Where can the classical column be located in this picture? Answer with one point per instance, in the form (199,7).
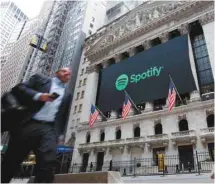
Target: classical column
(113,115)
(195,96)
(105,64)
(91,88)
(146,44)
(118,58)
(132,51)
(183,29)
(164,37)
(148,107)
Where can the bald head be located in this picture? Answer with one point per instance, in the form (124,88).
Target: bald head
(64,74)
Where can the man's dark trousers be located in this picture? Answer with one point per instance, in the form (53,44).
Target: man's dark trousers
(39,137)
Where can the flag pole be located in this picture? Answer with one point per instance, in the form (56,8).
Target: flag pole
(132,101)
(176,89)
(101,113)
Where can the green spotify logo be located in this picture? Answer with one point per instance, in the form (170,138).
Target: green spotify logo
(121,82)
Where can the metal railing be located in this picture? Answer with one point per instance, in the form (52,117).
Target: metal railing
(164,165)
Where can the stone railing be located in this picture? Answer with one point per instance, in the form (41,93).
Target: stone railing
(184,133)
(157,137)
(207,130)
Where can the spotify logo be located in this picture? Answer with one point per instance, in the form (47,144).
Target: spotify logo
(121,82)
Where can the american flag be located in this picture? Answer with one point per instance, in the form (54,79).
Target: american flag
(171,96)
(93,115)
(126,107)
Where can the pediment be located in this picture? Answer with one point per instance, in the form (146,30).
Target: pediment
(138,17)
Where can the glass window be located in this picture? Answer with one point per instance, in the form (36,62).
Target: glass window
(80,108)
(78,94)
(85,82)
(75,110)
(82,94)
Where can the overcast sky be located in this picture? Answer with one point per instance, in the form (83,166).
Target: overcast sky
(30,7)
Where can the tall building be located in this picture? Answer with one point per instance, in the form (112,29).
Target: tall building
(116,9)
(19,54)
(136,53)
(13,38)
(10,16)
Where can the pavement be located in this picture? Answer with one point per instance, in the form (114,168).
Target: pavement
(180,178)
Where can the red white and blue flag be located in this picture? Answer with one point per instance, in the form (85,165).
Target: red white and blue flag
(126,107)
(93,115)
(171,96)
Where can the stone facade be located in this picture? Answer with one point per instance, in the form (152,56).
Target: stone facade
(136,28)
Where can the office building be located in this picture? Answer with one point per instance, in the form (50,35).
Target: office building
(137,53)
(10,16)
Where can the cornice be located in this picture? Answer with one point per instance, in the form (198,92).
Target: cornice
(151,115)
(96,52)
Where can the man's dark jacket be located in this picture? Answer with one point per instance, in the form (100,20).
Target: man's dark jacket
(25,93)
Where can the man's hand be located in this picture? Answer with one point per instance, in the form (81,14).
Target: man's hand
(45,97)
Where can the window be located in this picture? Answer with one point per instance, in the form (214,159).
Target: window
(82,71)
(118,134)
(158,129)
(88,138)
(210,120)
(80,108)
(75,110)
(91,25)
(80,82)
(78,120)
(93,19)
(78,94)
(82,94)
(137,131)
(183,125)
(90,32)
(102,136)
(85,82)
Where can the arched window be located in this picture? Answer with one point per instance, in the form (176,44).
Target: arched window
(102,136)
(158,129)
(118,134)
(88,138)
(210,120)
(137,131)
(183,125)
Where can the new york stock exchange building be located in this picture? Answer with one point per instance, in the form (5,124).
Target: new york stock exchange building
(137,53)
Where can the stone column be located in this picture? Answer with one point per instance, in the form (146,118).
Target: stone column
(195,96)
(132,51)
(118,58)
(90,96)
(113,115)
(148,107)
(184,29)
(105,64)
(146,44)
(164,37)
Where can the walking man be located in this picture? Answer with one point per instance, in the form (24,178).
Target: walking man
(47,108)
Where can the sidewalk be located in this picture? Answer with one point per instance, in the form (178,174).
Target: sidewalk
(179,178)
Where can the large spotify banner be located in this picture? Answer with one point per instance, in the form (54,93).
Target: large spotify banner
(145,75)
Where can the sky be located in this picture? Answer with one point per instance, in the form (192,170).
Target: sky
(30,7)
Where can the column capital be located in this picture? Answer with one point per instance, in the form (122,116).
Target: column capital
(146,44)
(118,58)
(132,51)
(183,29)
(207,18)
(164,37)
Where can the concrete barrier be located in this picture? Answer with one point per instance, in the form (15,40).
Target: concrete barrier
(91,177)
